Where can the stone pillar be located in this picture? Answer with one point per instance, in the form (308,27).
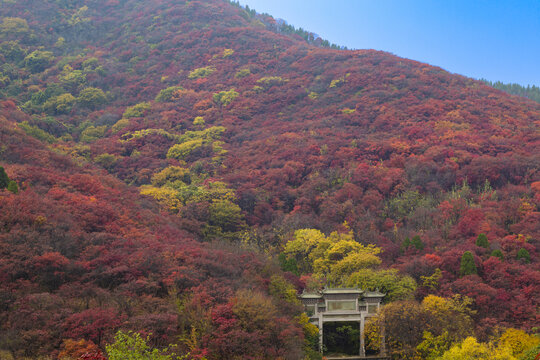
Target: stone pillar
(320,334)
(362,338)
(383,341)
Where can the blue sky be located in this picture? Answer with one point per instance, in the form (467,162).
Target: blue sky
(491,39)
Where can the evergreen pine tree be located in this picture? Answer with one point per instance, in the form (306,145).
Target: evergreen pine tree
(498,253)
(406,243)
(417,242)
(4,179)
(12,186)
(467,267)
(482,241)
(524,255)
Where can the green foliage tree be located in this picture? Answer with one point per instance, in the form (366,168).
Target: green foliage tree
(64,103)
(311,335)
(71,79)
(288,264)
(36,132)
(61,104)
(281,289)
(226,215)
(106,160)
(12,51)
(90,64)
(396,286)
(37,60)
(168,93)
(4,179)
(269,81)
(201,72)
(482,241)
(192,141)
(224,98)
(12,186)
(406,244)
(531,354)
(92,98)
(467,267)
(14,26)
(405,204)
(498,253)
(92,133)
(131,346)
(242,73)
(524,255)
(136,111)
(417,242)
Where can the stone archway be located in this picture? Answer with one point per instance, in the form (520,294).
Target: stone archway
(341,338)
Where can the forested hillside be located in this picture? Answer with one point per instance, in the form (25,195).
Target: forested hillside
(530,92)
(183,169)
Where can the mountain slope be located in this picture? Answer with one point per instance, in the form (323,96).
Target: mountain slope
(245,135)
(83,255)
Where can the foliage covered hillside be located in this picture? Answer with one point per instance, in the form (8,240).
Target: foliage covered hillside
(83,256)
(350,168)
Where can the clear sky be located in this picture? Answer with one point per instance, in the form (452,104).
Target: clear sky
(491,39)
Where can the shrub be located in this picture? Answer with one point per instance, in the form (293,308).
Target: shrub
(167,94)
(201,72)
(37,61)
(242,73)
(136,111)
(92,98)
(224,98)
(181,151)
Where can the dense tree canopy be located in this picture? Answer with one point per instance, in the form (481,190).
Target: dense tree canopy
(160,157)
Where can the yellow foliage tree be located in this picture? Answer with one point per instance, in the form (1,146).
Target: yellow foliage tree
(517,341)
(183,150)
(165,196)
(471,349)
(340,260)
(372,333)
(330,257)
(171,174)
(253,309)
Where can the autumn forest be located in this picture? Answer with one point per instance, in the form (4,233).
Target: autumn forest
(174,173)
